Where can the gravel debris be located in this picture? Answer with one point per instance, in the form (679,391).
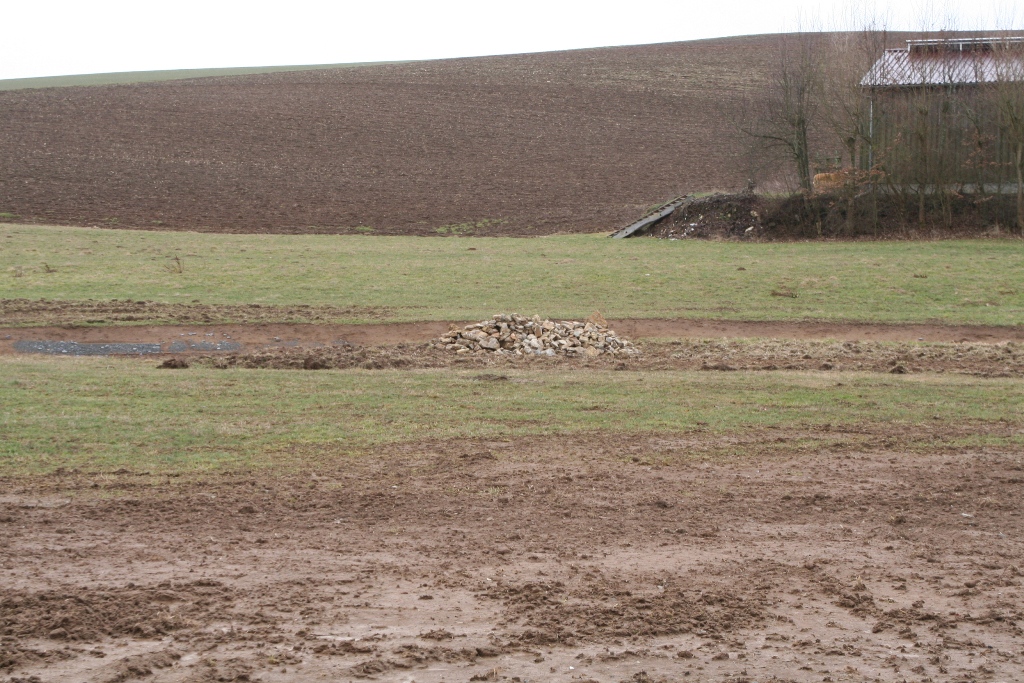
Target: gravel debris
(510,333)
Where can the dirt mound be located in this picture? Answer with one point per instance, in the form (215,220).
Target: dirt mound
(518,335)
(514,145)
(975,358)
(91,614)
(728,216)
(757,217)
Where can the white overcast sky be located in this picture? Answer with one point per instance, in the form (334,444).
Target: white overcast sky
(56,37)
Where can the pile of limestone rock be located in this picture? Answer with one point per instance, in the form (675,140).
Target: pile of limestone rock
(519,335)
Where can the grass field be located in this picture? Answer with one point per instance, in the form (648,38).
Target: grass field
(102,414)
(969,281)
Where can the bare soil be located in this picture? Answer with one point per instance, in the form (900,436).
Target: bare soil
(577,141)
(746,217)
(665,345)
(984,360)
(839,555)
(36,312)
(255,326)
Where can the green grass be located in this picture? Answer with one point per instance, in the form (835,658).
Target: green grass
(102,414)
(964,281)
(121,77)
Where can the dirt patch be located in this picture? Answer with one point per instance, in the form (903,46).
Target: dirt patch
(626,557)
(790,346)
(759,217)
(19,312)
(182,339)
(987,351)
(74,323)
(92,614)
(139,666)
(603,610)
(994,360)
(720,216)
(989,360)
(14,655)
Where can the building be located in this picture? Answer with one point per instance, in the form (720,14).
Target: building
(934,112)
(951,63)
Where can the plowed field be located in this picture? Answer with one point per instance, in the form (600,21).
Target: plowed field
(523,145)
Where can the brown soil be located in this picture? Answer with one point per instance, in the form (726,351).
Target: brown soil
(809,330)
(578,141)
(250,336)
(115,312)
(986,360)
(748,216)
(698,344)
(733,216)
(256,326)
(841,555)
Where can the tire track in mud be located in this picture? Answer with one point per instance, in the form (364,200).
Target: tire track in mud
(434,561)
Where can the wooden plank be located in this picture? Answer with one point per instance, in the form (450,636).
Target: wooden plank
(649,219)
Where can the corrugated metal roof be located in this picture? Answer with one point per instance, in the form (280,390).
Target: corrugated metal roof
(948,62)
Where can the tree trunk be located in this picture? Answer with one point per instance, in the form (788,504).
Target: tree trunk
(803,157)
(874,207)
(1020,187)
(923,161)
(999,160)
(851,185)
(851,201)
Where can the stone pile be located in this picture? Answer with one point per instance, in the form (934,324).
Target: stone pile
(519,335)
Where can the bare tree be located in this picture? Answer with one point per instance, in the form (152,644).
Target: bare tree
(782,113)
(847,111)
(847,108)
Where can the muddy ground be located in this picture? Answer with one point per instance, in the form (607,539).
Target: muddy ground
(984,360)
(713,346)
(842,555)
(26,312)
(699,345)
(256,326)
